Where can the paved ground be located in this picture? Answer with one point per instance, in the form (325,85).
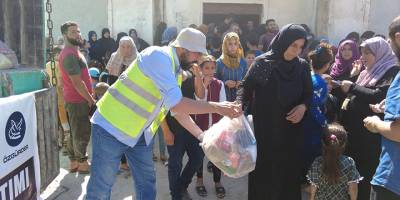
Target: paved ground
(71,186)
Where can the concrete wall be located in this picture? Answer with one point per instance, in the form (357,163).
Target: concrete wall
(332,18)
(346,16)
(294,11)
(127,14)
(382,12)
(90,14)
(181,13)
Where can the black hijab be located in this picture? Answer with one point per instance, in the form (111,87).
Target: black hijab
(92,51)
(104,31)
(289,74)
(105,46)
(91,33)
(119,36)
(286,36)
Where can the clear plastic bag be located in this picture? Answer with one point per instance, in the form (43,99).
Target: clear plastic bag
(230,144)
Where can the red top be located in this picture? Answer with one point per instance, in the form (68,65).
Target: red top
(75,63)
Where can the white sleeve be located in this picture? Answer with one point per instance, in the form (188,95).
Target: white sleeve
(222,94)
(205,96)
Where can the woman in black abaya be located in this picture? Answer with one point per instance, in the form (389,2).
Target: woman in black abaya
(282,88)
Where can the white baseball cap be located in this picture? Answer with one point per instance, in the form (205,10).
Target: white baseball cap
(192,40)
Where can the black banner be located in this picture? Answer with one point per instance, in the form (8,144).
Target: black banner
(20,184)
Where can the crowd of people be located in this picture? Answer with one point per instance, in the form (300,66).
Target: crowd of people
(316,107)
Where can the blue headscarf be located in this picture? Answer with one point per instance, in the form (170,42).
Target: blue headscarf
(169,34)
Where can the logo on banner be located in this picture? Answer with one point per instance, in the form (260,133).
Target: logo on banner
(15,129)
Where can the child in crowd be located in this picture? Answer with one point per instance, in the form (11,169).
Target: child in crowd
(212,89)
(315,120)
(104,77)
(333,175)
(331,106)
(100,89)
(252,44)
(94,76)
(216,44)
(250,57)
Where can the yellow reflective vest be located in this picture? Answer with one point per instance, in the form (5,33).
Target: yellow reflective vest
(130,102)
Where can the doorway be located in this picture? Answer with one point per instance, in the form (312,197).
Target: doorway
(216,13)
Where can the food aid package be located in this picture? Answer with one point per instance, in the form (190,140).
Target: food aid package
(230,144)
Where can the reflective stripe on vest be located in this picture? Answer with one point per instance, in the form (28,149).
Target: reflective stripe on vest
(130,102)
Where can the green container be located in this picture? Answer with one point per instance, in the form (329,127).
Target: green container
(20,80)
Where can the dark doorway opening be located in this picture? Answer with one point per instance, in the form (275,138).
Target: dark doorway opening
(242,13)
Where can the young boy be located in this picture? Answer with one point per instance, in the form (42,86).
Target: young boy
(212,89)
(100,89)
(216,47)
(94,76)
(250,57)
(252,44)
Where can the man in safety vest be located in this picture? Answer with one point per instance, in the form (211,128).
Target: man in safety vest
(130,112)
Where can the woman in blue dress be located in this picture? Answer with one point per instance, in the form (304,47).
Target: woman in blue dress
(231,66)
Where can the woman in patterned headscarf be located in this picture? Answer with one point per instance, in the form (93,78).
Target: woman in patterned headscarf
(347,54)
(371,87)
(121,59)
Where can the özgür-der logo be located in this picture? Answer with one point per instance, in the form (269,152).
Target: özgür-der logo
(15,129)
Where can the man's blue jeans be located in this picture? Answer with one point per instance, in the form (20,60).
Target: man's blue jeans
(107,152)
(179,180)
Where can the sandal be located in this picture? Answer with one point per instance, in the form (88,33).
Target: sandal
(201,191)
(163,158)
(220,192)
(155,157)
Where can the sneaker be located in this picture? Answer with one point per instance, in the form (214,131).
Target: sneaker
(84,167)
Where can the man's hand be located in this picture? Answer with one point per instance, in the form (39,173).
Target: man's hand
(91,102)
(229,109)
(378,108)
(296,114)
(371,123)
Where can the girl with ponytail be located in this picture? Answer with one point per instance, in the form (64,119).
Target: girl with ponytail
(333,175)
